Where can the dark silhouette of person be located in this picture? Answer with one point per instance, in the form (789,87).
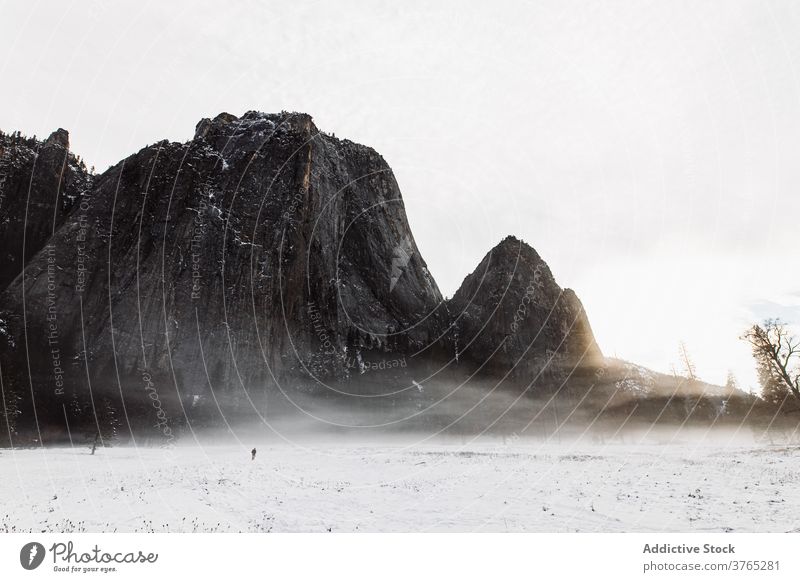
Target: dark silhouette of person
(253,452)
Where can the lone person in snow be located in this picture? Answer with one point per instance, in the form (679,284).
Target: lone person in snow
(253,453)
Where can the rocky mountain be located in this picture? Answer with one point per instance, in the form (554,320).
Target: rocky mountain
(40,182)
(262,268)
(511,317)
(261,257)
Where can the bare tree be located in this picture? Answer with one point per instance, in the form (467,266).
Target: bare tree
(686,361)
(731,383)
(777,355)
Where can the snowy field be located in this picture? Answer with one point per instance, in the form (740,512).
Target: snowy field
(540,488)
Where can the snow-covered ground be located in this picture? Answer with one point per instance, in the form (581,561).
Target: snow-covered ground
(514,487)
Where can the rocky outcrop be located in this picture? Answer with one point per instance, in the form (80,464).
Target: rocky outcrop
(263,257)
(512,319)
(40,182)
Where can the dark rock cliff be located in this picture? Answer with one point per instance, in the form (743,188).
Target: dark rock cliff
(513,319)
(40,182)
(261,257)
(263,264)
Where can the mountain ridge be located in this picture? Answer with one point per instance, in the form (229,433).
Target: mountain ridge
(265,267)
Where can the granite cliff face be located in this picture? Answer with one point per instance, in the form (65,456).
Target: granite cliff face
(40,182)
(262,264)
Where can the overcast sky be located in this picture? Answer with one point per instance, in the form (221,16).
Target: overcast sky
(650,151)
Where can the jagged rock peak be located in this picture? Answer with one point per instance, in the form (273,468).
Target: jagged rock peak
(59,137)
(254,122)
(508,259)
(512,297)
(513,246)
(204,125)
(517,249)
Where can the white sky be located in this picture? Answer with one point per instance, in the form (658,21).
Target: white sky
(648,150)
